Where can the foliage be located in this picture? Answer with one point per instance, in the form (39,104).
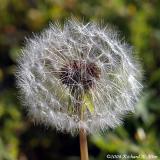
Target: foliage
(139,22)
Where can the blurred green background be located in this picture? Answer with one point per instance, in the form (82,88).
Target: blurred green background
(139,22)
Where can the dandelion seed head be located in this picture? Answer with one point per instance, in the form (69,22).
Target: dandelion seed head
(78,68)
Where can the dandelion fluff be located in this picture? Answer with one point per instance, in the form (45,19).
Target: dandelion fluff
(78,76)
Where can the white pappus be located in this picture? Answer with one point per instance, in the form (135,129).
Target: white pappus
(78,76)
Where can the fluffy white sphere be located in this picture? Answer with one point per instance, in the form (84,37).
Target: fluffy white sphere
(81,75)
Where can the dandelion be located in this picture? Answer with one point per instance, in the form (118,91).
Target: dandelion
(79,78)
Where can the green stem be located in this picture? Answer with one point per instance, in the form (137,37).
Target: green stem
(83,140)
(78,108)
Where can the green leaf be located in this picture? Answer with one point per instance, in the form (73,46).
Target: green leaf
(88,102)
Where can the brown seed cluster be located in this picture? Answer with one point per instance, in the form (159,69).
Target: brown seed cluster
(79,73)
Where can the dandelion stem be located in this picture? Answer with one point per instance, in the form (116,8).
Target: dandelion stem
(78,94)
(83,144)
(83,140)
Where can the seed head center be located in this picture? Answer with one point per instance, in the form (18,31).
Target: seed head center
(79,73)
